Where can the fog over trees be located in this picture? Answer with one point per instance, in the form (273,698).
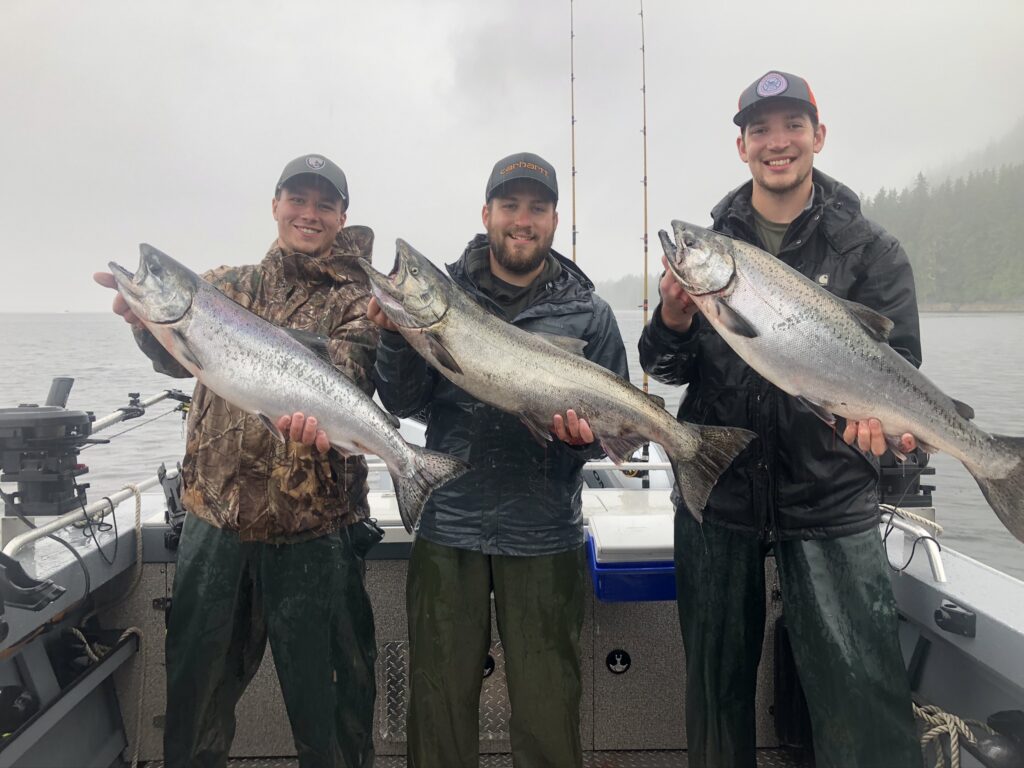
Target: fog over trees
(961,224)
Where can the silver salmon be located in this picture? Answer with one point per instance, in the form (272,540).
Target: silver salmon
(831,354)
(260,368)
(535,376)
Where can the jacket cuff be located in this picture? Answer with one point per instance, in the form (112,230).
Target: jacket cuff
(666,338)
(392,340)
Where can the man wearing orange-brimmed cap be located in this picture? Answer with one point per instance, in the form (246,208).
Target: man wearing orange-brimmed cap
(798,490)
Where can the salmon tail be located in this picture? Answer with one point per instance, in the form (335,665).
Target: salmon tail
(430,470)
(696,477)
(1006,494)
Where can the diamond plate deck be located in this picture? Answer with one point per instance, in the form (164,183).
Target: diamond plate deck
(766,758)
(495,710)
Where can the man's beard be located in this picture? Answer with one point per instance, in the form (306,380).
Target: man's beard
(519,262)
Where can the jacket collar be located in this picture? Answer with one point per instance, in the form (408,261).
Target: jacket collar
(290,268)
(834,207)
(571,285)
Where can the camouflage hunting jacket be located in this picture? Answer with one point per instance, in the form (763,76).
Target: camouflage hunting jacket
(236,475)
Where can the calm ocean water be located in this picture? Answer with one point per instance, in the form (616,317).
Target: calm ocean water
(976,358)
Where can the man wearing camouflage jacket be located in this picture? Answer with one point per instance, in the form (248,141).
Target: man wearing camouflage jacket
(273,543)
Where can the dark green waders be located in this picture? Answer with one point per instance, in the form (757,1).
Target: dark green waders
(309,598)
(539,603)
(842,625)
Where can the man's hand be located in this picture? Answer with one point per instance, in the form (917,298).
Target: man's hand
(571,429)
(376,315)
(302,429)
(677,308)
(120,306)
(869,436)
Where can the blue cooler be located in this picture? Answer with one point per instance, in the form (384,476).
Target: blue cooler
(631,557)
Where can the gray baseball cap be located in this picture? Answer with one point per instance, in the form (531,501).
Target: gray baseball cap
(317,165)
(771,86)
(522,165)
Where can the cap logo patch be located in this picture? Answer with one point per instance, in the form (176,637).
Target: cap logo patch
(523,164)
(315,162)
(772,84)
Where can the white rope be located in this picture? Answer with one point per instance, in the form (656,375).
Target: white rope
(945,724)
(906,514)
(136,580)
(137,574)
(142,689)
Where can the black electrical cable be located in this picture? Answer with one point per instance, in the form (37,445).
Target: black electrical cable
(91,528)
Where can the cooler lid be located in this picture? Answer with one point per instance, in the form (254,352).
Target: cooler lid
(632,538)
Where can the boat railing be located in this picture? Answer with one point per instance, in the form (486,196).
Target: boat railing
(94,512)
(922,535)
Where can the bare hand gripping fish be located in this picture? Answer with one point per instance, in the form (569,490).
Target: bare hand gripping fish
(831,355)
(534,376)
(260,368)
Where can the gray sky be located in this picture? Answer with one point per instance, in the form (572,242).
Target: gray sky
(169,122)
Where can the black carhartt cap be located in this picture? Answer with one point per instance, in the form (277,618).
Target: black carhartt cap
(774,85)
(317,165)
(522,165)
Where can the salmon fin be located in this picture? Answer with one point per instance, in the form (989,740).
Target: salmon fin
(393,420)
(1005,494)
(696,476)
(568,344)
(658,400)
(311,341)
(818,410)
(181,347)
(963,409)
(621,448)
(876,324)
(441,354)
(895,446)
(271,426)
(430,470)
(541,432)
(926,447)
(734,321)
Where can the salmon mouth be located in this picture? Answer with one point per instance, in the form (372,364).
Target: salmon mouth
(125,278)
(390,298)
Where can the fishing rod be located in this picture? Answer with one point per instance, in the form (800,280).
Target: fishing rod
(137,407)
(643,133)
(572,110)
(645,450)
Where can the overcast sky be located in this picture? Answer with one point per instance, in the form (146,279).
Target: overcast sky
(169,122)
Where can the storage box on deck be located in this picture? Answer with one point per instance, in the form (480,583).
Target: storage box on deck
(630,557)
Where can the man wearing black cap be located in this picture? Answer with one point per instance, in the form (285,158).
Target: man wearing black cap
(274,541)
(513,523)
(798,490)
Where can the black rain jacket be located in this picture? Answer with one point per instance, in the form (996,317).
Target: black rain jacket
(519,497)
(799,479)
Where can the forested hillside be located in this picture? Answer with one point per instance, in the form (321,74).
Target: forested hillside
(965,237)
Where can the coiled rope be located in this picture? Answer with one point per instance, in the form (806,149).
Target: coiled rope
(941,724)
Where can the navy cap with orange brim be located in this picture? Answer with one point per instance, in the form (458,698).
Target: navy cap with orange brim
(774,86)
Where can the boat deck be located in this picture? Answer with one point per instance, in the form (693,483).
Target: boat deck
(766,758)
